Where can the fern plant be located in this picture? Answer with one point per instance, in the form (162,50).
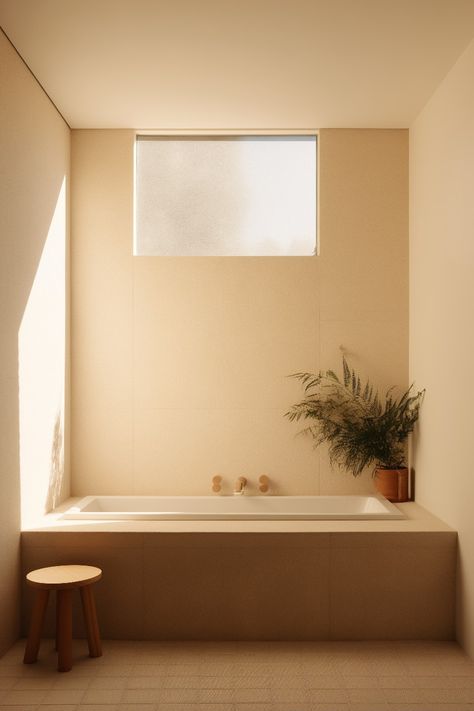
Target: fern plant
(360,428)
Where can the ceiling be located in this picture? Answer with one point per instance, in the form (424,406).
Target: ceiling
(239,63)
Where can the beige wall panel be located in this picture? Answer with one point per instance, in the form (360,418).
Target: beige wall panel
(364,225)
(103,446)
(223,332)
(102,308)
(177,451)
(197,350)
(441,299)
(34,146)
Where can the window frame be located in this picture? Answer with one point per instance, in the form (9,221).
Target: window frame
(189,133)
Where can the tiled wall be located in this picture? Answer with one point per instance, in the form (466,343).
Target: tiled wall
(260,585)
(441,299)
(34,149)
(179,365)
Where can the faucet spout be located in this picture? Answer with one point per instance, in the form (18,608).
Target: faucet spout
(240,485)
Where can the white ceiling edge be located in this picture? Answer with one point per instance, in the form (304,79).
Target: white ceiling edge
(256,64)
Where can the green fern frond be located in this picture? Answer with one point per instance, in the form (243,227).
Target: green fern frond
(359,428)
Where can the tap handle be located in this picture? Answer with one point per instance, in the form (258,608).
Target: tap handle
(216,483)
(264,483)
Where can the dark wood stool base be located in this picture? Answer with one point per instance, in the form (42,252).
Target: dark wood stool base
(64,579)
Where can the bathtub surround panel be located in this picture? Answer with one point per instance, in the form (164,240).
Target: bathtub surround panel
(180,363)
(255,586)
(34,149)
(442,295)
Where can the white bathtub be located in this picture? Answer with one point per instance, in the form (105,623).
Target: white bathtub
(233,507)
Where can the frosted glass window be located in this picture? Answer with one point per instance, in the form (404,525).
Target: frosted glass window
(225,196)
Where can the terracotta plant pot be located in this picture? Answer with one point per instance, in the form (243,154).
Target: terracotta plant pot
(392,483)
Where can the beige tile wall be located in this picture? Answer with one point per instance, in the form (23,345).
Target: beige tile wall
(179,365)
(441,313)
(34,148)
(260,586)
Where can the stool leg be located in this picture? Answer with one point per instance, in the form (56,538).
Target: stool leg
(90,617)
(64,631)
(57,625)
(36,625)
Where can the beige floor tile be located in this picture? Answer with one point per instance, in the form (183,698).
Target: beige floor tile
(240,684)
(397,682)
(148,682)
(19,697)
(108,682)
(141,696)
(320,667)
(406,696)
(464,668)
(290,696)
(360,682)
(11,670)
(114,670)
(372,696)
(64,696)
(326,696)
(252,696)
(436,696)
(69,681)
(195,682)
(260,682)
(146,670)
(320,681)
(214,696)
(195,707)
(185,669)
(428,707)
(102,696)
(37,682)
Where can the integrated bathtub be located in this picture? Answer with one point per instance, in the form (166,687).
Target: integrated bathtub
(241,508)
(253,579)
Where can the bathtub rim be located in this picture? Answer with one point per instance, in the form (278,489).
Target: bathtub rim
(78,512)
(417,519)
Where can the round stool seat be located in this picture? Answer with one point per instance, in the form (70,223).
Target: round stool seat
(64,576)
(63,579)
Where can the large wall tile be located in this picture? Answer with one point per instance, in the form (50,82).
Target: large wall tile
(177,452)
(236,593)
(388,593)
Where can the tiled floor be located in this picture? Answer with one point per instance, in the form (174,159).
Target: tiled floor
(243,676)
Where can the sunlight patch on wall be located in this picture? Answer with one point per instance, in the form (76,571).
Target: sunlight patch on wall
(42,372)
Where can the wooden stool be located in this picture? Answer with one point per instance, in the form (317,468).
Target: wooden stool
(64,579)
